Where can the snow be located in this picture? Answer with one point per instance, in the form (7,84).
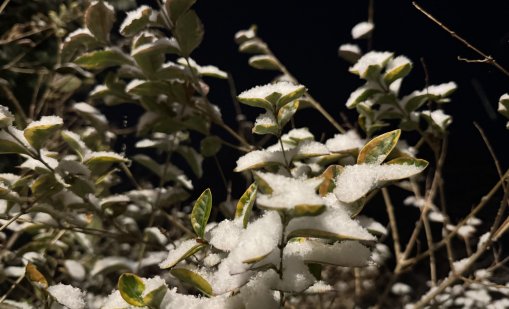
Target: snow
(259,158)
(8,178)
(441,90)
(103,264)
(460,265)
(335,222)
(319,287)
(89,109)
(308,149)
(346,253)
(46,121)
(345,142)
(75,270)
(373,58)
(178,253)
(355,181)
(133,84)
(350,48)
(225,235)
(466,231)
(288,192)
(71,297)
(104,154)
(6,117)
(266,119)
(439,118)
(264,91)
(248,34)
(397,62)
(76,33)
(372,225)
(300,134)
(362,29)
(400,288)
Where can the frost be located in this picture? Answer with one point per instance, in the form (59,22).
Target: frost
(362,29)
(225,235)
(357,180)
(345,142)
(105,154)
(311,149)
(177,253)
(319,287)
(77,33)
(6,117)
(371,59)
(289,192)
(264,91)
(71,297)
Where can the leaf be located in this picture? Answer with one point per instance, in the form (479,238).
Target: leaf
(188,32)
(290,96)
(253,46)
(329,177)
(99,19)
(135,21)
(406,161)
(286,113)
(131,288)
(245,204)
(194,279)
(321,234)
(154,298)
(65,83)
(201,212)
(210,146)
(101,59)
(266,124)
(264,62)
(187,254)
(193,158)
(262,185)
(397,68)
(38,132)
(9,145)
(175,8)
(74,141)
(45,185)
(99,162)
(306,210)
(377,149)
(35,276)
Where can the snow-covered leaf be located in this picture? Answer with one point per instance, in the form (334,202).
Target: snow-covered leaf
(362,30)
(264,62)
(38,132)
(286,113)
(192,278)
(182,252)
(377,149)
(68,296)
(135,20)
(266,124)
(370,65)
(397,68)
(74,141)
(101,59)
(6,117)
(349,52)
(329,179)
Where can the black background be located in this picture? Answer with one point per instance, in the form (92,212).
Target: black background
(305,36)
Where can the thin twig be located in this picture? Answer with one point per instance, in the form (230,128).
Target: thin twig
(486,58)
(392,220)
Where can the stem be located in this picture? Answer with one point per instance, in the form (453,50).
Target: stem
(282,245)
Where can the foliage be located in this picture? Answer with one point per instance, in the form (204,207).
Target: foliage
(90,225)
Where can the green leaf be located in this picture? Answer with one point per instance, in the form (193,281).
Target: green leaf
(262,185)
(74,141)
(188,32)
(154,298)
(286,113)
(45,185)
(101,59)
(290,96)
(38,132)
(175,8)
(266,124)
(66,83)
(399,71)
(193,158)
(265,62)
(136,24)
(377,149)
(99,162)
(77,42)
(201,212)
(9,145)
(245,204)
(131,288)
(210,146)
(321,234)
(257,102)
(99,19)
(405,161)
(194,279)
(253,46)
(360,95)
(329,177)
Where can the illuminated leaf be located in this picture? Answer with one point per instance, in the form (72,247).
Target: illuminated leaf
(377,149)
(201,212)
(245,204)
(194,279)
(131,288)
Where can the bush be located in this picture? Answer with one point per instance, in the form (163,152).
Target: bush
(90,222)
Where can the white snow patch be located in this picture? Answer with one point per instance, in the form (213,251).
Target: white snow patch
(362,29)
(71,297)
(345,142)
(264,91)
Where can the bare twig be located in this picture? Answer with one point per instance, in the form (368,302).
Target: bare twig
(485,57)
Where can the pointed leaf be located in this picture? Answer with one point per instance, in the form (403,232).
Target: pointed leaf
(262,184)
(376,150)
(245,204)
(407,161)
(188,32)
(99,19)
(329,177)
(131,288)
(135,21)
(154,298)
(201,212)
(194,279)
(169,263)
(74,141)
(397,68)
(306,210)
(286,113)
(321,234)
(176,8)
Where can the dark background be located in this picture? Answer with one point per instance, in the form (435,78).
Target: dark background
(305,36)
